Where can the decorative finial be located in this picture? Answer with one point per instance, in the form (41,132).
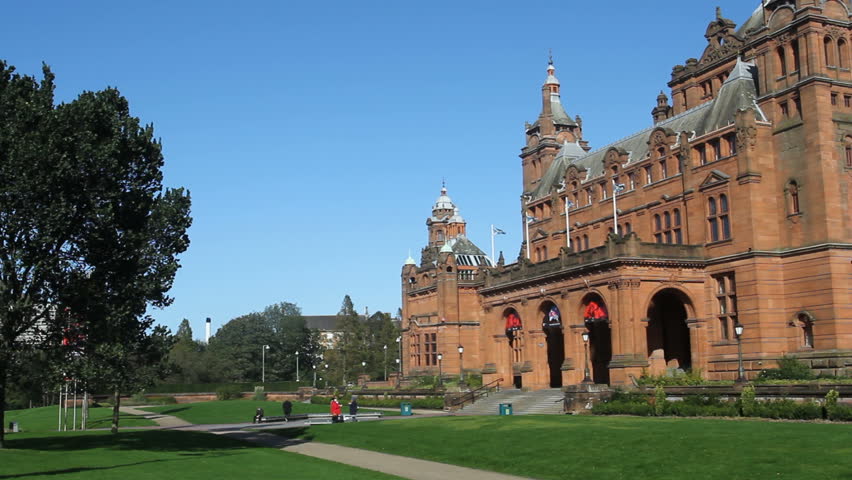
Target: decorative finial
(550,56)
(443,182)
(718,13)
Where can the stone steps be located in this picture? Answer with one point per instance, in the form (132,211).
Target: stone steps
(540,402)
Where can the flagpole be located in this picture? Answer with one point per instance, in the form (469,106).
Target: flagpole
(567,224)
(527,232)
(493,262)
(616,187)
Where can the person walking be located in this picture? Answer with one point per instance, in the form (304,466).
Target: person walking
(335,410)
(288,409)
(353,408)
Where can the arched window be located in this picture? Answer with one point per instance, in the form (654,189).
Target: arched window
(793,195)
(585,242)
(842,60)
(577,246)
(807,326)
(794,46)
(828,51)
(782,61)
(544,252)
(628,228)
(658,229)
(712,220)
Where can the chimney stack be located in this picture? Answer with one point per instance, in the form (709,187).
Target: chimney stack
(207,331)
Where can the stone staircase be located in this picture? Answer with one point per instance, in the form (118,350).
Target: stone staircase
(540,402)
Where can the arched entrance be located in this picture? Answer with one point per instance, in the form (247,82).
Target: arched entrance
(515,334)
(596,318)
(551,323)
(668,335)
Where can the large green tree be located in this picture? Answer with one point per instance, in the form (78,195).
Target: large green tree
(89,237)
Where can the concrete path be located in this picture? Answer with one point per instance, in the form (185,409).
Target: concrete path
(164,421)
(403,467)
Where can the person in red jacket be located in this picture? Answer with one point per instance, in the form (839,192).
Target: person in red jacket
(335,411)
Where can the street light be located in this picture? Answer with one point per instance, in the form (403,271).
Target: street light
(440,374)
(364,371)
(315,376)
(297,366)
(586,377)
(385,348)
(738,330)
(263,363)
(461,364)
(616,188)
(398,373)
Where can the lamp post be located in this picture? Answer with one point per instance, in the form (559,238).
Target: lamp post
(461,365)
(364,371)
(297,366)
(385,348)
(263,363)
(315,376)
(568,205)
(440,374)
(399,358)
(616,188)
(398,373)
(738,330)
(586,377)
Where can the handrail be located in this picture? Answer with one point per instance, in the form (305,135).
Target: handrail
(473,395)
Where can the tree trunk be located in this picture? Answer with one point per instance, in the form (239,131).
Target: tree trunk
(2,403)
(115,406)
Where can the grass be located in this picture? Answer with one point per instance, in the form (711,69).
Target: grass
(234,411)
(562,447)
(46,419)
(157,453)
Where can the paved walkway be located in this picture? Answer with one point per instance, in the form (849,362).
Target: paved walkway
(404,467)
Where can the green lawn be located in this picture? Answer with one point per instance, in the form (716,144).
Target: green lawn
(233,411)
(153,454)
(585,447)
(46,419)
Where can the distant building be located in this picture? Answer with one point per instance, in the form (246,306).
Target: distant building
(328,327)
(731,209)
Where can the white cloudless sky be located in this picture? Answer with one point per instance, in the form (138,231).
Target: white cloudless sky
(314,136)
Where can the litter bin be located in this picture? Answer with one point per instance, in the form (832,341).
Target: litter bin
(13,427)
(405,408)
(505,409)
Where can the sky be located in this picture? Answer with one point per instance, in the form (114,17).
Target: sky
(314,137)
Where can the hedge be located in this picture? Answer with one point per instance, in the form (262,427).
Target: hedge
(430,403)
(215,387)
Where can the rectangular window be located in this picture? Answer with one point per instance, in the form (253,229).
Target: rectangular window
(632,178)
(833,98)
(847,101)
(649,176)
(603,191)
(702,154)
(589,196)
(785,110)
(731,141)
(716,145)
(726,299)
(664,171)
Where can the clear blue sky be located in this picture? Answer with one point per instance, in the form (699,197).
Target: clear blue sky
(314,136)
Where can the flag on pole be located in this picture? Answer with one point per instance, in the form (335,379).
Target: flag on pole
(496,231)
(530,219)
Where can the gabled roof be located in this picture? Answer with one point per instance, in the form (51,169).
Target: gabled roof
(738,92)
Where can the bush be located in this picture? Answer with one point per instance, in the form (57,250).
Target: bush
(430,403)
(161,400)
(842,413)
(660,401)
(748,405)
(690,377)
(620,407)
(789,368)
(788,409)
(229,392)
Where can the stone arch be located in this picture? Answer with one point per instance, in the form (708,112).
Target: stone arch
(600,336)
(668,338)
(781,17)
(514,329)
(552,325)
(804,322)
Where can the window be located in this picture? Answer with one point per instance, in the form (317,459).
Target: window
(664,171)
(702,154)
(603,190)
(794,46)
(847,101)
(785,110)
(716,145)
(415,351)
(628,228)
(431,347)
(517,344)
(576,246)
(782,61)
(842,61)
(828,51)
(833,98)
(807,326)
(649,176)
(632,178)
(667,228)
(589,196)
(585,242)
(718,220)
(848,152)
(731,143)
(440,235)
(726,301)
(793,195)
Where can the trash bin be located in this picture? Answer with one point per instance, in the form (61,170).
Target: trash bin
(505,409)
(13,427)
(405,408)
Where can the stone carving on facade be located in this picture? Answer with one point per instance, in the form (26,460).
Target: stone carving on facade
(746,137)
(835,32)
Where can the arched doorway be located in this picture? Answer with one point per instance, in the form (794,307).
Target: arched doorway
(515,334)
(668,335)
(551,323)
(596,318)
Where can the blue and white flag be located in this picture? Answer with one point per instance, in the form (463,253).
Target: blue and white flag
(531,219)
(497,231)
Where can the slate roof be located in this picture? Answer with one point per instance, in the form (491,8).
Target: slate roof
(738,92)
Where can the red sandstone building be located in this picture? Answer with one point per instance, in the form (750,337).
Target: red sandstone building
(732,208)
